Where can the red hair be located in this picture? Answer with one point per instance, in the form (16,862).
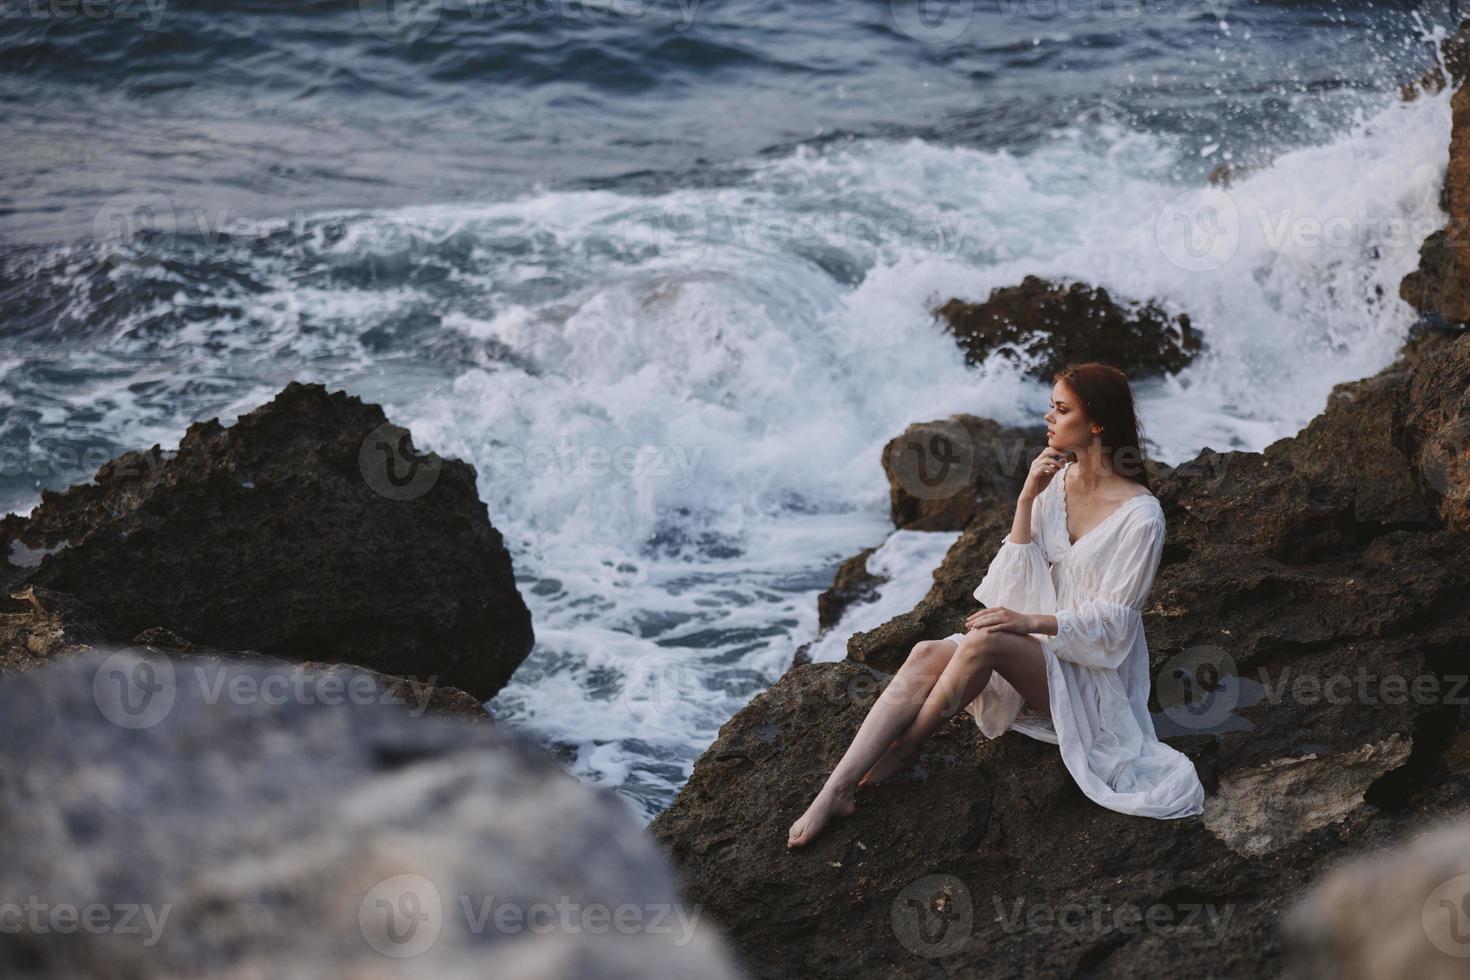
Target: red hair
(1106,398)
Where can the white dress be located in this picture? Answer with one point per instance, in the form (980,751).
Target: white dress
(1097,666)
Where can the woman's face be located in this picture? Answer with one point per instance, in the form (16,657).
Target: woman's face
(1067,428)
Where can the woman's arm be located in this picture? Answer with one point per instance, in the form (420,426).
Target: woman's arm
(1021,523)
(1041,623)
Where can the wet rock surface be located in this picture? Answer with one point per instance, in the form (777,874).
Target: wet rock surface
(309,530)
(1308,641)
(1046,325)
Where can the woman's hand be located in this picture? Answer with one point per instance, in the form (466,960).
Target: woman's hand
(1047,464)
(1000,619)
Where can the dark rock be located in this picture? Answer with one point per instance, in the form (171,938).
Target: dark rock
(1308,637)
(1441,284)
(1453,61)
(853,584)
(1226,173)
(1046,326)
(309,530)
(941,473)
(1352,444)
(1431,427)
(245,837)
(37,625)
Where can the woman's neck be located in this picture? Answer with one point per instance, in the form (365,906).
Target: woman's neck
(1091,470)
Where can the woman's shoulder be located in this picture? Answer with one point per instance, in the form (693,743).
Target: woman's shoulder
(1146,508)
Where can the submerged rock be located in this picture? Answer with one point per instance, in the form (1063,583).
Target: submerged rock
(200,830)
(1046,325)
(309,530)
(852,585)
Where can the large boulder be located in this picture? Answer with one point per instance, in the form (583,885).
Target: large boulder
(309,530)
(1046,325)
(162,820)
(942,472)
(1308,637)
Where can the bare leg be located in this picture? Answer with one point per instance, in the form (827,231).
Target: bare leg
(904,751)
(891,714)
(1019,659)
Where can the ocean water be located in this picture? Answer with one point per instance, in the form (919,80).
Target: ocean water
(662,272)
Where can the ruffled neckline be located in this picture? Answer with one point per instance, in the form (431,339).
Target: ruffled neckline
(1061,510)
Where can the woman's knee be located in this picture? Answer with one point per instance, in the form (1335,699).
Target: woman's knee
(930,653)
(981,649)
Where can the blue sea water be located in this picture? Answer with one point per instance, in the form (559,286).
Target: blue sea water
(661,270)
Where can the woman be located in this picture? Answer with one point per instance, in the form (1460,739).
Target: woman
(1059,652)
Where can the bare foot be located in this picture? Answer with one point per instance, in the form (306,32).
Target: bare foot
(899,757)
(828,804)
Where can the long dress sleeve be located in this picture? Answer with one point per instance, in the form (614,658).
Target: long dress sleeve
(1100,631)
(1019,577)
